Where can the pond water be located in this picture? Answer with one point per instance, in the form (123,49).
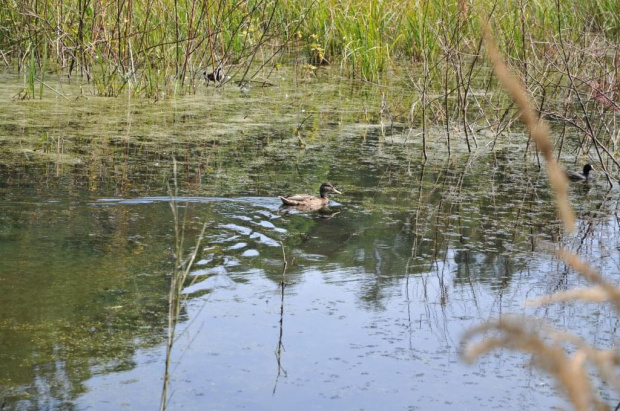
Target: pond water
(378,289)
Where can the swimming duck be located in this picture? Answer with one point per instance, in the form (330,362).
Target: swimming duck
(572,176)
(308,201)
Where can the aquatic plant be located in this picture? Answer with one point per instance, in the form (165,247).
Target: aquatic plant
(140,46)
(127,39)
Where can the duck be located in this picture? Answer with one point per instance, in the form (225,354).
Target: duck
(310,202)
(576,177)
(216,77)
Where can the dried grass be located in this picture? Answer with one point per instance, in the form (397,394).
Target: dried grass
(602,291)
(546,344)
(538,128)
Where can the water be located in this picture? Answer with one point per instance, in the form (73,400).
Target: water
(379,291)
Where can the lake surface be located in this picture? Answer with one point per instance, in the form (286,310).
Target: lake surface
(379,289)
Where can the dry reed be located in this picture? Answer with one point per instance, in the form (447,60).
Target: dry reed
(544,343)
(538,128)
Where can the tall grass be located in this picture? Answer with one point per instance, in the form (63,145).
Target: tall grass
(131,43)
(368,36)
(143,46)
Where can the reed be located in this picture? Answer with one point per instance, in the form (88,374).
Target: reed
(31,73)
(180,273)
(120,45)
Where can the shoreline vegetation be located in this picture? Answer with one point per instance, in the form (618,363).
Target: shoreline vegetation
(145,46)
(567,56)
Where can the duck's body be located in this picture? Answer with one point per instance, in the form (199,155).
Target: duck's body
(576,177)
(308,201)
(216,77)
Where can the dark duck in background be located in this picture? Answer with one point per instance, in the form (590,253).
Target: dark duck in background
(576,177)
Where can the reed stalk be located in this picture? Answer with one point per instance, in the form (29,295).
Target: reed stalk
(280,347)
(180,273)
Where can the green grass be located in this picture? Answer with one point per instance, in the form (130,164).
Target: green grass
(145,47)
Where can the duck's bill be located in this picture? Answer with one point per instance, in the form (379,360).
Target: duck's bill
(336,191)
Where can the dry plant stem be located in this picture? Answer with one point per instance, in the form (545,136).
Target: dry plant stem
(590,295)
(49,87)
(260,42)
(590,131)
(523,335)
(612,292)
(526,335)
(445,101)
(426,82)
(538,129)
(416,226)
(179,276)
(467,88)
(531,336)
(280,344)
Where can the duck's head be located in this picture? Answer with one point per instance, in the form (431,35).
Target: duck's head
(328,188)
(587,168)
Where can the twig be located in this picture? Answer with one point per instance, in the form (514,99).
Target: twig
(539,131)
(49,87)
(280,344)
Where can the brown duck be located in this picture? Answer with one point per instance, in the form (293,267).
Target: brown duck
(310,202)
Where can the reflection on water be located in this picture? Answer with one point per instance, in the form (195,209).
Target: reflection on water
(379,287)
(374,305)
